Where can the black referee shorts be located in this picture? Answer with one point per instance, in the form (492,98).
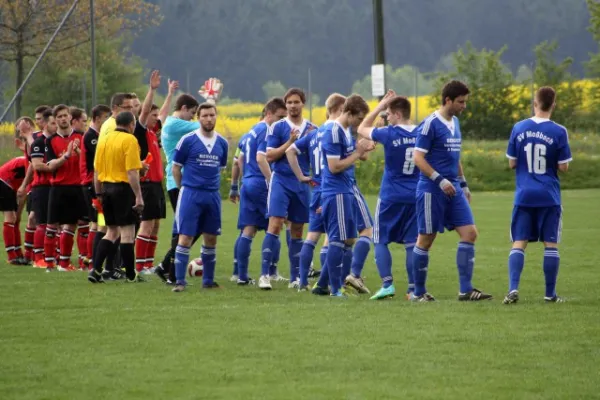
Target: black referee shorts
(89,194)
(154,201)
(173,196)
(8,198)
(66,205)
(117,203)
(29,204)
(40,196)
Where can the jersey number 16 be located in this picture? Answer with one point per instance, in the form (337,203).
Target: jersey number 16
(536,158)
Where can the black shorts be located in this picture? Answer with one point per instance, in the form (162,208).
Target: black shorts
(40,196)
(29,204)
(89,194)
(8,198)
(117,203)
(173,196)
(154,201)
(66,205)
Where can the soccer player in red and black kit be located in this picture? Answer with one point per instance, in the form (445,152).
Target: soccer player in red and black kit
(40,187)
(100,113)
(66,204)
(11,176)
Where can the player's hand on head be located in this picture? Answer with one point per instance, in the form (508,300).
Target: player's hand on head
(155,79)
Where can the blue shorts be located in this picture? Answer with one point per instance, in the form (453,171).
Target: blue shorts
(288,199)
(339,217)
(253,204)
(316,223)
(197,212)
(395,223)
(534,224)
(361,210)
(436,211)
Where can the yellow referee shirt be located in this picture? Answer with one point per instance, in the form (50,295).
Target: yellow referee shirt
(117,152)
(108,126)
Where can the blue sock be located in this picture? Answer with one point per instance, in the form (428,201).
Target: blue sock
(276,251)
(551,264)
(347,262)
(288,236)
(235,255)
(295,249)
(268,250)
(209,261)
(361,251)
(383,260)
(465,261)
(335,257)
(420,266)
(323,281)
(323,256)
(516,261)
(409,267)
(244,249)
(182,258)
(306,256)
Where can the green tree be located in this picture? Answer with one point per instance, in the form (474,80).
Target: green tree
(490,110)
(273,89)
(402,80)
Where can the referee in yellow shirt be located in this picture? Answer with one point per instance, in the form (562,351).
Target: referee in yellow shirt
(117,183)
(120,102)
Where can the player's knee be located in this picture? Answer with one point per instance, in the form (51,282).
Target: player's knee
(297,231)
(210,240)
(156,227)
(551,245)
(185,240)
(146,228)
(519,244)
(10,217)
(112,233)
(127,234)
(349,242)
(469,236)
(368,232)
(275,225)
(425,241)
(313,236)
(250,231)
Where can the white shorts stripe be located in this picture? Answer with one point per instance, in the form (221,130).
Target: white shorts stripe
(177,208)
(376,222)
(270,184)
(428,223)
(559,233)
(339,198)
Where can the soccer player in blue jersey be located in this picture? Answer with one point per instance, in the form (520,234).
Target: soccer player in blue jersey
(287,198)
(538,149)
(337,195)
(202,154)
(311,145)
(395,215)
(442,193)
(253,202)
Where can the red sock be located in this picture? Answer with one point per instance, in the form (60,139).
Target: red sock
(67,238)
(141,246)
(50,247)
(8,232)
(57,244)
(18,243)
(150,251)
(29,238)
(38,242)
(90,244)
(83,231)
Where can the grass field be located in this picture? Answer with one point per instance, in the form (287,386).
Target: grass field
(63,338)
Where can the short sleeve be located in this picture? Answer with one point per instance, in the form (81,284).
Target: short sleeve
(181,151)
(131,149)
(330,145)
(274,137)
(182,126)
(564,150)
(38,149)
(425,136)
(302,145)
(99,155)
(49,150)
(511,150)
(224,155)
(380,135)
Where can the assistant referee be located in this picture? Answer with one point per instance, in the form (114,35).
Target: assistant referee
(117,184)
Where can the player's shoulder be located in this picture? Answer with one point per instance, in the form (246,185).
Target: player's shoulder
(221,140)
(259,128)
(426,125)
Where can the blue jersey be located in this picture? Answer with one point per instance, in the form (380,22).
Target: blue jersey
(172,131)
(441,140)
(311,145)
(278,135)
(399,182)
(337,142)
(202,159)
(538,145)
(248,145)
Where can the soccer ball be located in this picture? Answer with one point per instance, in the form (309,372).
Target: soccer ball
(195,267)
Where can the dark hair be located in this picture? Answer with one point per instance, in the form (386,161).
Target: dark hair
(26,119)
(355,105)
(206,106)
(41,109)
(76,113)
(185,100)
(274,104)
(47,114)
(545,98)
(125,118)
(133,95)
(454,89)
(295,91)
(263,113)
(154,107)
(58,109)
(99,110)
(401,104)
(119,98)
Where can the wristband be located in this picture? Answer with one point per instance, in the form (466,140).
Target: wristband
(463,181)
(234,187)
(436,177)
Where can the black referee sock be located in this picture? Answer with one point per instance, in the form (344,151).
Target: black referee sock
(103,249)
(113,260)
(128,257)
(99,236)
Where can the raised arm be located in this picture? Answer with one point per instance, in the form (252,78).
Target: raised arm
(166,107)
(147,105)
(366,127)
